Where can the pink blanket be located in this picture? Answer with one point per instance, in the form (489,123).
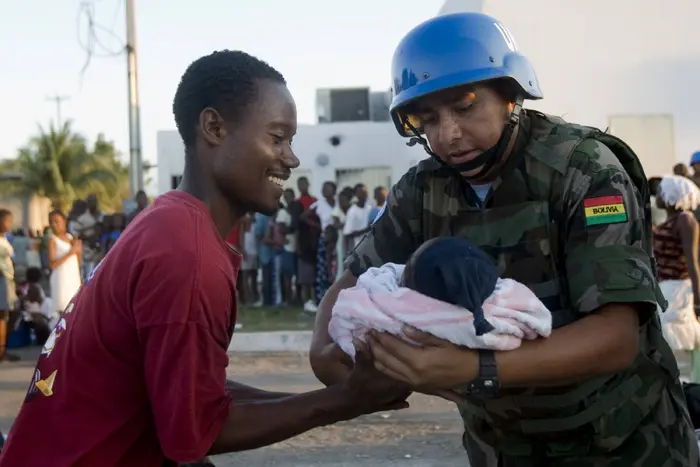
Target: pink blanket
(378,302)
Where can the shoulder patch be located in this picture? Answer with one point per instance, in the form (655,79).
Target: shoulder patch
(605,210)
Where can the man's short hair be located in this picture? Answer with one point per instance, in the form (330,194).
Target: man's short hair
(226,81)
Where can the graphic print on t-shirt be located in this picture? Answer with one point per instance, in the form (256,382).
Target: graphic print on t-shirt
(92,274)
(45,385)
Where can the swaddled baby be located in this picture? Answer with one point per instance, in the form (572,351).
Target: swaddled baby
(449,288)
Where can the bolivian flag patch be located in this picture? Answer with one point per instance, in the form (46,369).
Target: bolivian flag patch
(604,210)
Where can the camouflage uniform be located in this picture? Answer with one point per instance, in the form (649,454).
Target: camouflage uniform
(535,226)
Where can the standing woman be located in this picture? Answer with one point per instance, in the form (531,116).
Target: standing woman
(326,257)
(64,262)
(676,251)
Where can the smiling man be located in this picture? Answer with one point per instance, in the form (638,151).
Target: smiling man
(134,375)
(560,207)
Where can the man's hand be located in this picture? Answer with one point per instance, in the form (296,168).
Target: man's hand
(372,390)
(435,365)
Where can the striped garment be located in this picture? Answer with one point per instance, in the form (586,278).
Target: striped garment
(379,302)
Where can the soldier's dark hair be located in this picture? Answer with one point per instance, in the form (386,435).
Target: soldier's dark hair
(4,213)
(226,81)
(506,88)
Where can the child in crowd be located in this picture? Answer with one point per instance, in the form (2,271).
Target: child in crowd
(37,307)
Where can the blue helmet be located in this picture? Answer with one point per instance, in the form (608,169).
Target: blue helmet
(454,50)
(695,158)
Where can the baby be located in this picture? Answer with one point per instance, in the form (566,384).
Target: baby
(453,270)
(449,288)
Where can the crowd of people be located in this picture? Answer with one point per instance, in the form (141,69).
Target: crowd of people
(676,236)
(138,373)
(42,270)
(294,253)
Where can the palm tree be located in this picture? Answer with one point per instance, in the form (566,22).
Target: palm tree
(58,165)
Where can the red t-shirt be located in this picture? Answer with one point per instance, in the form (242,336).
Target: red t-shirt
(135,371)
(234,237)
(306,201)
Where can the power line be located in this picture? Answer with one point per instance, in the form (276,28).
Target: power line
(58,100)
(95,39)
(95,42)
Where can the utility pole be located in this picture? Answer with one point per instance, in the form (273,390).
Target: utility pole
(58,100)
(135,166)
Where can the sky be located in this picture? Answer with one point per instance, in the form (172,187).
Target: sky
(314,43)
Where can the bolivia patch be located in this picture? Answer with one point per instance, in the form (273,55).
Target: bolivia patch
(604,210)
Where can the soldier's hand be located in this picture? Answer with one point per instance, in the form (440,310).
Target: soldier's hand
(435,364)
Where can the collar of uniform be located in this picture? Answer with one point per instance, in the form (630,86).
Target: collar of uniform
(429,165)
(535,148)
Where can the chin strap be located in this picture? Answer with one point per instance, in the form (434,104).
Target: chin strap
(487,159)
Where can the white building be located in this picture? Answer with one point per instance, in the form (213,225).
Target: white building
(631,65)
(369,152)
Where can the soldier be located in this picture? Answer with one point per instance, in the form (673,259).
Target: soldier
(559,207)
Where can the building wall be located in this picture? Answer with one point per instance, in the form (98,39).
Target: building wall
(598,58)
(363,145)
(594,59)
(28,213)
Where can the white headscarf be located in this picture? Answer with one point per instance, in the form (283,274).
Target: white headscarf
(679,192)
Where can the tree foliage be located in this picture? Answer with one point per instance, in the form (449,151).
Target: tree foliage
(57,163)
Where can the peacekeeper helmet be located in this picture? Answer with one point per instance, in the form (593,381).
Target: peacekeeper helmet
(695,158)
(456,50)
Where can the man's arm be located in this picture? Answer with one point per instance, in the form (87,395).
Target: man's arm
(609,275)
(257,423)
(244,393)
(182,320)
(391,239)
(688,230)
(600,344)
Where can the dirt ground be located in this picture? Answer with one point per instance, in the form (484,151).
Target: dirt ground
(425,435)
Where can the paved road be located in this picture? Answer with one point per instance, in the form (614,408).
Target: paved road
(425,435)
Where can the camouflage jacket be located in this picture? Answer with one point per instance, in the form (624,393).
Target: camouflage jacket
(566,219)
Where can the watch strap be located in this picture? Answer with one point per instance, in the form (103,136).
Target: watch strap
(486,383)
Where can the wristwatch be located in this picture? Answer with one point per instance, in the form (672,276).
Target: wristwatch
(486,384)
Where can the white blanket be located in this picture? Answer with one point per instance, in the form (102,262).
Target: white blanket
(379,302)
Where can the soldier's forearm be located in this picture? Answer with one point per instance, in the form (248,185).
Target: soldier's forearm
(329,366)
(603,343)
(325,308)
